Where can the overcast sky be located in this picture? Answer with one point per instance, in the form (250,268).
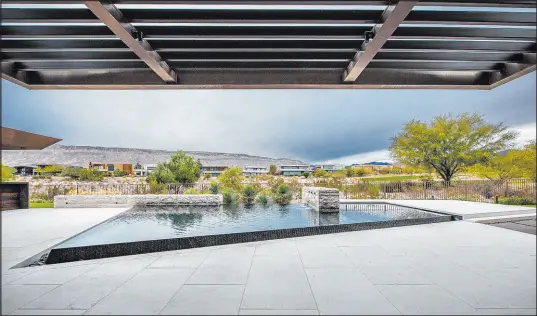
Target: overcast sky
(312,125)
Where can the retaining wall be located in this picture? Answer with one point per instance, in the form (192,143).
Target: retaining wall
(74,201)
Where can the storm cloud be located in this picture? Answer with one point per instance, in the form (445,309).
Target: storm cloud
(312,125)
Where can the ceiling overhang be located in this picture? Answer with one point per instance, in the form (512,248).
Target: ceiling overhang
(261,44)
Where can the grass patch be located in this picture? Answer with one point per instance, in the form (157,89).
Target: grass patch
(42,204)
(391,178)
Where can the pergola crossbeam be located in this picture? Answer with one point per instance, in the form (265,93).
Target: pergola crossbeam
(114,20)
(391,19)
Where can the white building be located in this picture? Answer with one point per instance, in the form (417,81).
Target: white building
(293,170)
(145,170)
(254,171)
(332,167)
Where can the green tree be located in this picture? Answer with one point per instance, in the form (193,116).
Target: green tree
(180,169)
(214,188)
(119,173)
(71,172)
(7,173)
(305,174)
(232,178)
(91,175)
(448,144)
(52,169)
(517,163)
(320,173)
(273,169)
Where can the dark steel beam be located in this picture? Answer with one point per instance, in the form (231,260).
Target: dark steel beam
(473,33)
(301,3)
(434,65)
(254,79)
(55,45)
(113,19)
(449,55)
(471,18)
(269,16)
(66,54)
(391,18)
(512,71)
(405,45)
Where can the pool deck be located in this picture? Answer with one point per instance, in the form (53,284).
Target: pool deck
(460,267)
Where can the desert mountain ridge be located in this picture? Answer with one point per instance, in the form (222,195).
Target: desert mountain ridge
(81,155)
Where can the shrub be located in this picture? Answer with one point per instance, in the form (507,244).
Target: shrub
(119,173)
(232,178)
(274,183)
(373,191)
(156,188)
(320,173)
(229,197)
(192,191)
(71,172)
(248,194)
(207,176)
(306,174)
(283,195)
(214,188)
(52,169)
(90,175)
(262,197)
(517,201)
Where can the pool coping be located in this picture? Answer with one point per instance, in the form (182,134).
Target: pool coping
(70,254)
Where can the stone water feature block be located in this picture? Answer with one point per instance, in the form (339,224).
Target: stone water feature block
(324,200)
(74,201)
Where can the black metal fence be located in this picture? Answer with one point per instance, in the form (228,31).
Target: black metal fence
(469,190)
(49,191)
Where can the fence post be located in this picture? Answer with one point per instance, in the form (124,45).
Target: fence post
(77,189)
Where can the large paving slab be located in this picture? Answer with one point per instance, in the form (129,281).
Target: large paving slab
(456,267)
(467,209)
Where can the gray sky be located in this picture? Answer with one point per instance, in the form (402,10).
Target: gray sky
(312,125)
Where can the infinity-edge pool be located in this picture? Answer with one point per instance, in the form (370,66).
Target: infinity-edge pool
(153,223)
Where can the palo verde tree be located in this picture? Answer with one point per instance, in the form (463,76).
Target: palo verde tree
(448,144)
(7,173)
(180,169)
(516,163)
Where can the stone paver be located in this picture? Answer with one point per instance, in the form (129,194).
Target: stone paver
(445,268)
(205,300)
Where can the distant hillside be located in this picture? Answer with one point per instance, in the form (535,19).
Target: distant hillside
(81,155)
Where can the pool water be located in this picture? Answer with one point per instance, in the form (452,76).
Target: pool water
(153,223)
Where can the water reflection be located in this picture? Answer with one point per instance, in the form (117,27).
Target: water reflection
(162,222)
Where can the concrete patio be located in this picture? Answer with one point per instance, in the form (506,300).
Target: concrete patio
(457,267)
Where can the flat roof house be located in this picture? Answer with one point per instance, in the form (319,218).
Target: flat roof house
(111,166)
(293,170)
(25,170)
(214,171)
(145,170)
(250,171)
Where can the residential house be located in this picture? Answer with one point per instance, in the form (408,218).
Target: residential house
(145,170)
(25,170)
(111,166)
(214,171)
(254,171)
(293,170)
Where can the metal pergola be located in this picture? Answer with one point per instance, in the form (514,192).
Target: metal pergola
(242,44)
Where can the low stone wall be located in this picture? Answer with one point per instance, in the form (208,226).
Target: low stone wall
(323,200)
(68,201)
